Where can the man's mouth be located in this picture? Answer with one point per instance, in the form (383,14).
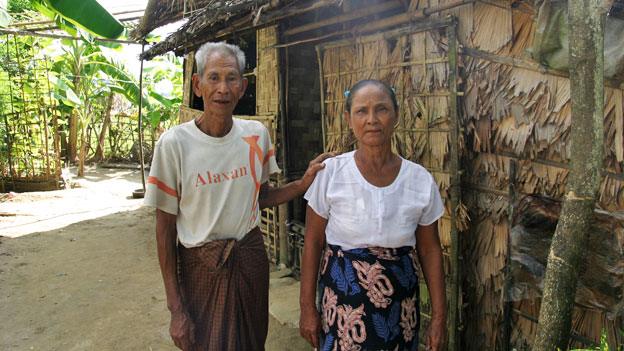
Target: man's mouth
(222,102)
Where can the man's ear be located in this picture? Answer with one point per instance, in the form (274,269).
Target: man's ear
(245,83)
(195,79)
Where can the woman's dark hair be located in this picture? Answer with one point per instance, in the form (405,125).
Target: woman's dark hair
(361,84)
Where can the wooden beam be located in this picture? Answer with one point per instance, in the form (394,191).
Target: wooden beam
(367,11)
(60,36)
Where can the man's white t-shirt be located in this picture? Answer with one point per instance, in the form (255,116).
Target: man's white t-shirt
(362,215)
(211,184)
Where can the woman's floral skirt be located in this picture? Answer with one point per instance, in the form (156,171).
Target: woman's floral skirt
(369,299)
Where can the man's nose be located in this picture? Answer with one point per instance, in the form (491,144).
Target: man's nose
(222,86)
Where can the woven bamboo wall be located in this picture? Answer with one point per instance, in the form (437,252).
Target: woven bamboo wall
(515,113)
(268,103)
(267,86)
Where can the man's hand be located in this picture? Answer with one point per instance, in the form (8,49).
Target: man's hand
(182,330)
(435,335)
(313,167)
(310,326)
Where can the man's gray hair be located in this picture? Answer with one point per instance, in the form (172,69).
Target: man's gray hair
(209,48)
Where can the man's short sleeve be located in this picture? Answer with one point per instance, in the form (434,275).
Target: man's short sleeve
(163,189)
(269,164)
(317,193)
(435,208)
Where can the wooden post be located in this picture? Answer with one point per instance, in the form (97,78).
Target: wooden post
(566,257)
(454,189)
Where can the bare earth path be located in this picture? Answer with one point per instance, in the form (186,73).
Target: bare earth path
(90,285)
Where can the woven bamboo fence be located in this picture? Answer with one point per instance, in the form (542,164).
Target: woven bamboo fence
(30,157)
(416,64)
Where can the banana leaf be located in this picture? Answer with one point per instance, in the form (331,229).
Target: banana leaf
(125,84)
(87,14)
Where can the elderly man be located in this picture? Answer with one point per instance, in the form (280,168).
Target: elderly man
(208,182)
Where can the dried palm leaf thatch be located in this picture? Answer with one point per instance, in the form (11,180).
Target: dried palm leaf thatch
(543,179)
(614,129)
(611,194)
(588,323)
(465,26)
(161,12)
(523,28)
(598,298)
(524,328)
(489,170)
(485,251)
(492,26)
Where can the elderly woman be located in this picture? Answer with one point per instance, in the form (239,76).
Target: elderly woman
(369,208)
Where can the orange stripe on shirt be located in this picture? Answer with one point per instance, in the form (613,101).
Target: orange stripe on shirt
(268,156)
(162,186)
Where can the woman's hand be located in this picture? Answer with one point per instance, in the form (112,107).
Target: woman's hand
(310,325)
(182,330)
(436,334)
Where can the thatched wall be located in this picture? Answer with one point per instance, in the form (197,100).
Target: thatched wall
(515,118)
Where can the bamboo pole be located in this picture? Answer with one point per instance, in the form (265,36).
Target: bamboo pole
(586,20)
(508,303)
(141,160)
(6,120)
(319,55)
(454,189)
(283,215)
(60,36)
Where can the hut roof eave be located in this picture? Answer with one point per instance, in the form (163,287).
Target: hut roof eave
(215,21)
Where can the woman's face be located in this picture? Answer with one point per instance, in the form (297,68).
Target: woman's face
(372,116)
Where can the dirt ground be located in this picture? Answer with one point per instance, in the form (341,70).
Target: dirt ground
(78,271)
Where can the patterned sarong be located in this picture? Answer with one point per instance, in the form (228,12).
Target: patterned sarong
(369,299)
(225,286)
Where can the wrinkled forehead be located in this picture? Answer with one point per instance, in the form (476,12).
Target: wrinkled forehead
(371,93)
(221,62)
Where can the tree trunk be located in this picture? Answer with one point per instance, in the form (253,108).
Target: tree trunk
(99,152)
(83,153)
(565,259)
(72,143)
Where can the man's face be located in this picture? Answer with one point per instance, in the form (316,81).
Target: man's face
(221,85)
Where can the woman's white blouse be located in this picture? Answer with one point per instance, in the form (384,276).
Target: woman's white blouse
(360,214)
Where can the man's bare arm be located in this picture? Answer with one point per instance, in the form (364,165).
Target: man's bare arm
(181,328)
(270,196)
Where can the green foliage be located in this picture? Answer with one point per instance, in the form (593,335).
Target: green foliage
(19,6)
(86,14)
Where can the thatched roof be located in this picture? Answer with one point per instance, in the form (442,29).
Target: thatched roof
(161,12)
(216,19)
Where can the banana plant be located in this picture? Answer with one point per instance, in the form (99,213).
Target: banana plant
(86,14)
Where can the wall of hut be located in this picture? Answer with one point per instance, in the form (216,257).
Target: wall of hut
(516,121)
(514,117)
